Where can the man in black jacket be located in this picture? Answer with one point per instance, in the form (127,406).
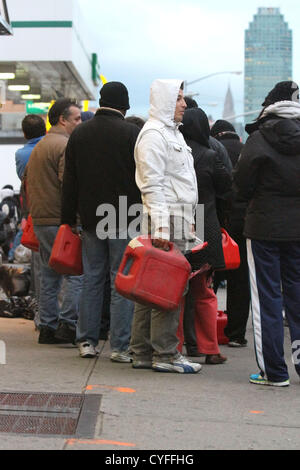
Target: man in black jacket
(99,180)
(268,175)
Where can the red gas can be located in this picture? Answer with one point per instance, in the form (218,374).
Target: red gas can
(29,239)
(66,255)
(153,277)
(221,324)
(231,251)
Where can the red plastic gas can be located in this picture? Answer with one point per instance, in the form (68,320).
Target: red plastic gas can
(221,324)
(153,277)
(230,250)
(29,239)
(66,255)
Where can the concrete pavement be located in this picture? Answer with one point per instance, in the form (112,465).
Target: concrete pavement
(216,409)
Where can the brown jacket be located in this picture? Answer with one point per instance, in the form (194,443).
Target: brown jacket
(43,177)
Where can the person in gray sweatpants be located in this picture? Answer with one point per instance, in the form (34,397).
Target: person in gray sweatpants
(166,178)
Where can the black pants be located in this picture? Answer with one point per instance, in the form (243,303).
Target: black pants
(238,293)
(189,324)
(105,317)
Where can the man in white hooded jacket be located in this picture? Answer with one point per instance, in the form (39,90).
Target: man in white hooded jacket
(166,178)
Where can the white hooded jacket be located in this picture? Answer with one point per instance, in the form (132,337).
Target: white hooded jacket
(165,171)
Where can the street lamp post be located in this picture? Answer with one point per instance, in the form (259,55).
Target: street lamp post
(249,113)
(186,84)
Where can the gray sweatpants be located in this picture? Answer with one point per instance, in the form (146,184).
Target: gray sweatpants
(154,332)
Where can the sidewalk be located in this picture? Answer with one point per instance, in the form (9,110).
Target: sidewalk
(141,409)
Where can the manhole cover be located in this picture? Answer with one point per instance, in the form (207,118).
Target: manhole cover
(56,414)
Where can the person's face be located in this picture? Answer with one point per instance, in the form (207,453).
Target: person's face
(180,107)
(73,119)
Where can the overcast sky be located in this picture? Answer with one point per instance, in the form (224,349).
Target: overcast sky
(140,40)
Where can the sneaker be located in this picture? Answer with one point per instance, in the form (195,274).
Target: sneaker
(138,364)
(66,333)
(120,356)
(87,350)
(259,380)
(238,343)
(179,364)
(47,336)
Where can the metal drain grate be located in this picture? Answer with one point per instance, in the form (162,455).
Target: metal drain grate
(46,414)
(61,402)
(38,425)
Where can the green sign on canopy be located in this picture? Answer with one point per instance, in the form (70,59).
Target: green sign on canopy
(37,108)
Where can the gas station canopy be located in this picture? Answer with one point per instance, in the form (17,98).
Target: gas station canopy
(49,54)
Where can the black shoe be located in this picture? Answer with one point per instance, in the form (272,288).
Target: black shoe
(214,359)
(65,333)
(47,336)
(193,353)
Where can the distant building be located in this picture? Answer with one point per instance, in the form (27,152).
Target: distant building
(268,57)
(229,110)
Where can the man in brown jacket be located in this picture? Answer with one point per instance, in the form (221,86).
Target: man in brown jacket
(43,176)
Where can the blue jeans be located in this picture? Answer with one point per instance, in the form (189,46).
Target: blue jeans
(51,283)
(17,241)
(100,256)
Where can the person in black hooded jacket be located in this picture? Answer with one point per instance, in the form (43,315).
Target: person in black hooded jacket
(213,178)
(268,176)
(233,216)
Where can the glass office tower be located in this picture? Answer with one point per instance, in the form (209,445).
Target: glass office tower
(268,57)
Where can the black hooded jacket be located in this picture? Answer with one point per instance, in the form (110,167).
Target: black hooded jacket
(233,145)
(232,211)
(268,176)
(212,177)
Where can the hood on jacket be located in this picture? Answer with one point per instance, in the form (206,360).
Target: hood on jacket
(196,126)
(281,109)
(163,98)
(279,123)
(284,109)
(283,135)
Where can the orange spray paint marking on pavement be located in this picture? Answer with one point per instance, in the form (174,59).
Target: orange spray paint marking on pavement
(110,387)
(255,412)
(100,442)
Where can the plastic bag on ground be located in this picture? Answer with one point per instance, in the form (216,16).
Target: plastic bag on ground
(15,307)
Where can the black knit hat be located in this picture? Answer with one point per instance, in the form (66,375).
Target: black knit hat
(221,126)
(114,95)
(283,91)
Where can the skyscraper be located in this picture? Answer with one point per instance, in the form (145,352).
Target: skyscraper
(268,57)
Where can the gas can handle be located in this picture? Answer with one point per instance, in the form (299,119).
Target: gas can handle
(196,249)
(171,246)
(124,261)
